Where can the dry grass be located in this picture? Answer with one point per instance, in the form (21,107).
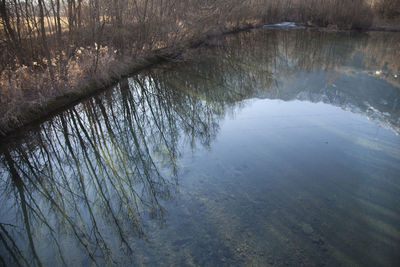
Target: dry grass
(389,9)
(355,14)
(92,53)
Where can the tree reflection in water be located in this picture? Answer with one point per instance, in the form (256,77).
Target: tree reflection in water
(81,188)
(95,172)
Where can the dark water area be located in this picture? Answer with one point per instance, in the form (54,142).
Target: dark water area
(264,148)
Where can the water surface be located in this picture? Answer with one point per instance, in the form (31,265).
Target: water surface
(269,147)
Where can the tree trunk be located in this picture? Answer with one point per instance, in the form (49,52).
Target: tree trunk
(44,39)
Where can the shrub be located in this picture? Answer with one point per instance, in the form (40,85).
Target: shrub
(389,9)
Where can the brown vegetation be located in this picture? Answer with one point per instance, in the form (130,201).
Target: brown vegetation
(53,48)
(354,14)
(388,8)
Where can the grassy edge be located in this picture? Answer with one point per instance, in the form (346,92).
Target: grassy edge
(41,112)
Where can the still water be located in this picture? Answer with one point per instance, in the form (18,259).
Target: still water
(269,147)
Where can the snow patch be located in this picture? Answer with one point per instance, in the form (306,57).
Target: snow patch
(285,24)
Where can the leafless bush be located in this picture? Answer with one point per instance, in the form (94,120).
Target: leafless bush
(389,9)
(347,14)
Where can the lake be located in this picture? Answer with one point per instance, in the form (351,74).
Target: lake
(265,148)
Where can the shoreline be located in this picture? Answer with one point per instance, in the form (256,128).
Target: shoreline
(41,112)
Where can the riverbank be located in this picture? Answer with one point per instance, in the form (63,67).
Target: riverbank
(31,114)
(62,63)
(35,113)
